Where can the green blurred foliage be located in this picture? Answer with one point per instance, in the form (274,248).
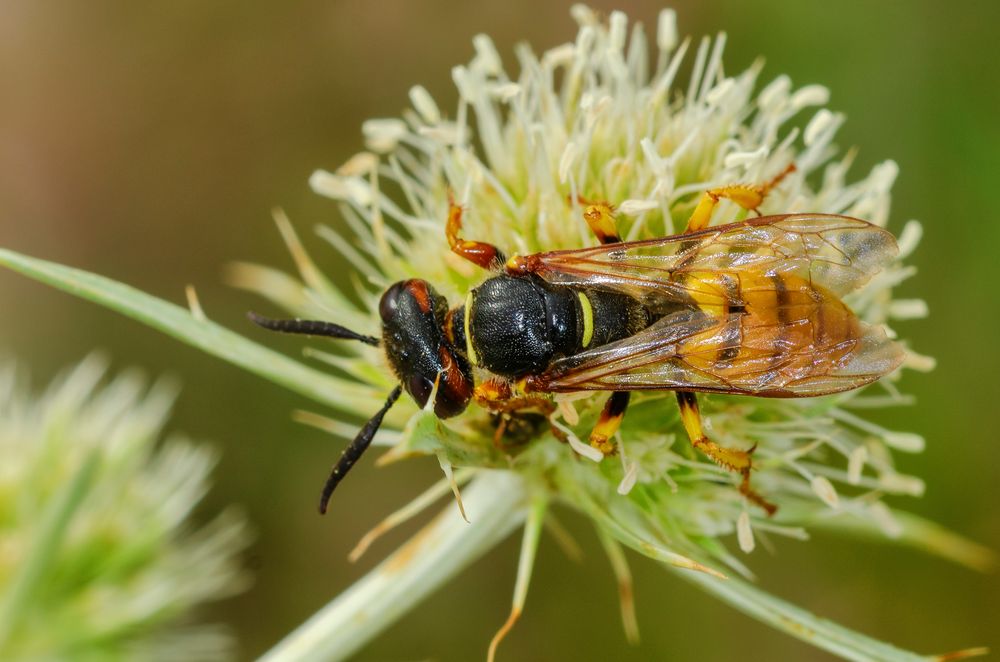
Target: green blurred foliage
(148,141)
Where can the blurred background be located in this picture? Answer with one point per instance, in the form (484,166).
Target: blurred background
(148,142)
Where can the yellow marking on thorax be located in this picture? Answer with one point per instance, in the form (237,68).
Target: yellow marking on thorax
(588,318)
(468,331)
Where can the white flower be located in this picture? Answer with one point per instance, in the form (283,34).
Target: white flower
(592,119)
(98,558)
(517,151)
(520,151)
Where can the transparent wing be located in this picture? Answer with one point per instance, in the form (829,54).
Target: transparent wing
(837,253)
(799,350)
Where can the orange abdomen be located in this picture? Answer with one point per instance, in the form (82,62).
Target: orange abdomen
(773,330)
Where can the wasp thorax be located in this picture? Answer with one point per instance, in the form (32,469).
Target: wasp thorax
(413,315)
(520,324)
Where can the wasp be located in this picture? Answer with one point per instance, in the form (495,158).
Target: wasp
(749,308)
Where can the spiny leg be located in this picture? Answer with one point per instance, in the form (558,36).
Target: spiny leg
(727,458)
(479,253)
(748,196)
(609,421)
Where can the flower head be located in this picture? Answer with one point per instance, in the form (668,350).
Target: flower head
(607,117)
(591,119)
(98,558)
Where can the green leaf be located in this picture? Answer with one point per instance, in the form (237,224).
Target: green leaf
(340,394)
(801,624)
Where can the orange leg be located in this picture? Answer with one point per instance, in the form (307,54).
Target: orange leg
(600,217)
(496,395)
(479,253)
(609,421)
(748,196)
(727,458)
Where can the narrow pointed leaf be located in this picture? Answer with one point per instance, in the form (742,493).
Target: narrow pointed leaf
(203,334)
(799,623)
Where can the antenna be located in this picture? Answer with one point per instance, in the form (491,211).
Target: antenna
(311,328)
(355,449)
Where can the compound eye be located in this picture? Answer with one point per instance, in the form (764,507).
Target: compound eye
(390,301)
(420,388)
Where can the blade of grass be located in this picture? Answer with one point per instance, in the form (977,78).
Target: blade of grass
(799,623)
(342,395)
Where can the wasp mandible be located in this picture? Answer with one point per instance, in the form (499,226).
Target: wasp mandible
(750,308)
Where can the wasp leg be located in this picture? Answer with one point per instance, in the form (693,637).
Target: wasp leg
(479,253)
(748,196)
(600,217)
(497,396)
(609,421)
(727,458)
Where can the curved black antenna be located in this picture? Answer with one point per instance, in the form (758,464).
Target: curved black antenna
(311,328)
(355,449)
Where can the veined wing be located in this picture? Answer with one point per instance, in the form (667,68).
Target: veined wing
(797,350)
(837,253)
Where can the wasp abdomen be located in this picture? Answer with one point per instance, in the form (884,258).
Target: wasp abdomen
(615,316)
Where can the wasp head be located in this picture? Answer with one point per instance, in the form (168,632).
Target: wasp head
(413,318)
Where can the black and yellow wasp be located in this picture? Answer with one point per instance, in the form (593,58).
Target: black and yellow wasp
(750,308)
